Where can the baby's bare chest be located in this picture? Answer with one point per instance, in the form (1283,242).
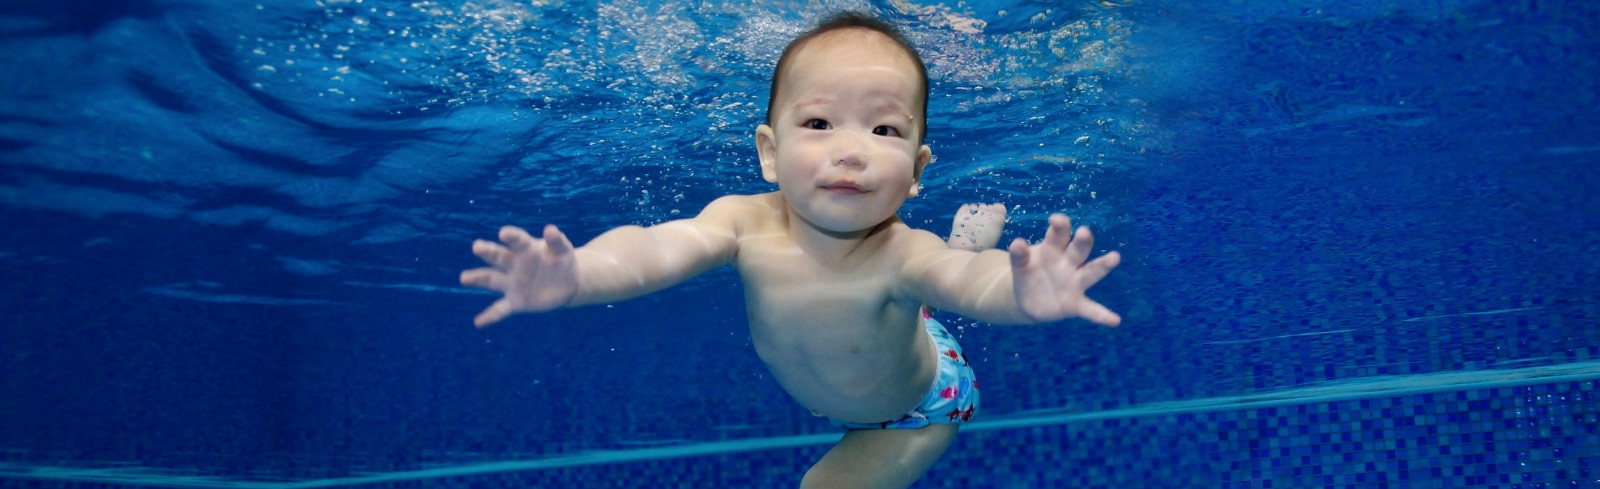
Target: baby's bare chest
(791,280)
(823,312)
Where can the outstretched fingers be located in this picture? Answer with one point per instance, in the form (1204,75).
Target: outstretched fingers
(1051,278)
(492,253)
(1096,313)
(1097,269)
(514,241)
(1082,245)
(1020,253)
(497,311)
(515,267)
(515,238)
(1059,232)
(483,278)
(556,240)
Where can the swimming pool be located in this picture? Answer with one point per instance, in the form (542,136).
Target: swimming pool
(1359,241)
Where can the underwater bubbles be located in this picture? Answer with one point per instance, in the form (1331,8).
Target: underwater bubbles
(1028,106)
(1037,109)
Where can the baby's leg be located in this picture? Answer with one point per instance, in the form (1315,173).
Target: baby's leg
(874,459)
(977,227)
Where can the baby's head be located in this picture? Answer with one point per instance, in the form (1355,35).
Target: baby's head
(869,29)
(845,125)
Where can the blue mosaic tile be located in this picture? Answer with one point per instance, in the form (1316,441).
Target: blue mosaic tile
(1536,436)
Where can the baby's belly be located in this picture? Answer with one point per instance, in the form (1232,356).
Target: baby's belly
(870,385)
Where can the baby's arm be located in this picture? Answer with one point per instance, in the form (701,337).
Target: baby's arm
(543,274)
(1025,284)
(976,227)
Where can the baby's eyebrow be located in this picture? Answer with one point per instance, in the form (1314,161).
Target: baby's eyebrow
(890,104)
(813,101)
(886,104)
(896,108)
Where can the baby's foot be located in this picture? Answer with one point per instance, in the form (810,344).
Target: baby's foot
(977,227)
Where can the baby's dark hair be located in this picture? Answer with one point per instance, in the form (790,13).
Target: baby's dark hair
(848,20)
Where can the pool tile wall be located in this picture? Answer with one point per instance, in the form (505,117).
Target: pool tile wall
(1522,437)
(1537,436)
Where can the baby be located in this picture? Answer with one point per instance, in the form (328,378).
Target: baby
(833,280)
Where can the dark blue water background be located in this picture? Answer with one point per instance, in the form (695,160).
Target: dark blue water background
(232,228)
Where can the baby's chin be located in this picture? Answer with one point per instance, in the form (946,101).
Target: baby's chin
(842,216)
(853,226)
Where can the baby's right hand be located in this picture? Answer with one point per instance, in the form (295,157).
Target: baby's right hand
(534,274)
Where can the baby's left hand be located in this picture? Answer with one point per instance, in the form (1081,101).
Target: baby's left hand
(1050,278)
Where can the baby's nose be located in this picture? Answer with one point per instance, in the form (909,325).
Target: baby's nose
(850,153)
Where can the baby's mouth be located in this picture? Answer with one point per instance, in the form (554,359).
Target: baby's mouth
(844,188)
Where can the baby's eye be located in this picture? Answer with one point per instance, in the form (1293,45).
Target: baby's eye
(818,124)
(886,131)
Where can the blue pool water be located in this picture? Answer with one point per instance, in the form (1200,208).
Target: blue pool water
(1359,241)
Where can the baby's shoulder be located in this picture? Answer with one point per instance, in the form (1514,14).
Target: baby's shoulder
(746,201)
(740,214)
(905,242)
(742,208)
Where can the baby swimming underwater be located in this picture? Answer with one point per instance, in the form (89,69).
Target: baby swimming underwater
(834,282)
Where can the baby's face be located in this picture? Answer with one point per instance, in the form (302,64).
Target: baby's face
(843,147)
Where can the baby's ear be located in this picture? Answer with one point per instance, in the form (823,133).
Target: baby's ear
(767,150)
(924,156)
